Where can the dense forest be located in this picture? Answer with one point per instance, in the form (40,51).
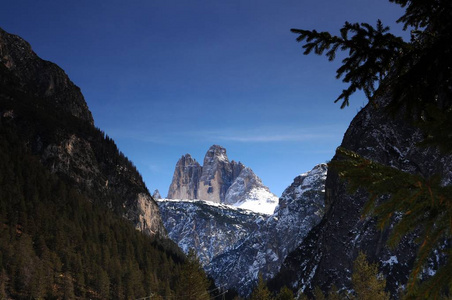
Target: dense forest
(55,243)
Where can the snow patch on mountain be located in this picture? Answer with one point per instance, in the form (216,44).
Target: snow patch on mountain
(259,200)
(207,227)
(300,208)
(234,244)
(219,180)
(248,192)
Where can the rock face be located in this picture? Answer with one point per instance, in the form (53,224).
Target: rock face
(41,78)
(49,112)
(218,174)
(235,245)
(207,227)
(219,180)
(156,195)
(301,207)
(326,255)
(185,179)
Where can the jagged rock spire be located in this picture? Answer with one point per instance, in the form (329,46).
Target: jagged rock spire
(218,180)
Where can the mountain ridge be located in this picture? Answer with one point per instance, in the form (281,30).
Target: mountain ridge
(220,180)
(254,242)
(52,116)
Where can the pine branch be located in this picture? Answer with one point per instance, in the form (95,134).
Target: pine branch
(421,204)
(372,52)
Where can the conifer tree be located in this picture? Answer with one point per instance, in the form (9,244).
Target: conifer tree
(367,283)
(193,283)
(318,293)
(68,287)
(334,294)
(417,76)
(3,279)
(285,294)
(261,292)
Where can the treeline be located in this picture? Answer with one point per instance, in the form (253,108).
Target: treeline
(367,283)
(56,244)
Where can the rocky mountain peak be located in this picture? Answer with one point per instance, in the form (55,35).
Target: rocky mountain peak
(243,184)
(156,195)
(218,180)
(312,181)
(216,176)
(214,154)
(40,78)
(185,179)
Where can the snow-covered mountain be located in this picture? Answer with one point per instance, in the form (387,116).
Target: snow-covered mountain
(301,207)
(233,244)
(209,228)
(221,181)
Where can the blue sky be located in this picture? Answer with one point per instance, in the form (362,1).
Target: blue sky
(165,78)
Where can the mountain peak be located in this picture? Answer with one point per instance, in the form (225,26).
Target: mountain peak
(219,180)
(216,153)
(40,78)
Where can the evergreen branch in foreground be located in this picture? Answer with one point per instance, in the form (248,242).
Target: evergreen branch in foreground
(411,203)
(372,53)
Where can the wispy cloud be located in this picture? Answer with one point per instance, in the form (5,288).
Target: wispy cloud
(269,134)
(268,138)
(263,134)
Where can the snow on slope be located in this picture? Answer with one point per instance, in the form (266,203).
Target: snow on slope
(300,208)
(259,200)
(234,244)
(207,227)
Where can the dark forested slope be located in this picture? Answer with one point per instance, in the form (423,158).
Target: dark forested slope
(70,201)
(53,121)
(56,243)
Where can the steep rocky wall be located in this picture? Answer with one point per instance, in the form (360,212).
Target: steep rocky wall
(326,256)
(50,113)
(185,179)
(210,229)
(42,78)
(217,180)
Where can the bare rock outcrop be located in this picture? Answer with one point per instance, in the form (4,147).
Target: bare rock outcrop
(185,179)
(217,180)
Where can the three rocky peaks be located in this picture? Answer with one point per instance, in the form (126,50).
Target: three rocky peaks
(217,180)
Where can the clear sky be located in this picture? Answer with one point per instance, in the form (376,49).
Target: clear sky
(169,77)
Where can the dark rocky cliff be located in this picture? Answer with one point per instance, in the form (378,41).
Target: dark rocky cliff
(326,255)
(41,78)
(49,112)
